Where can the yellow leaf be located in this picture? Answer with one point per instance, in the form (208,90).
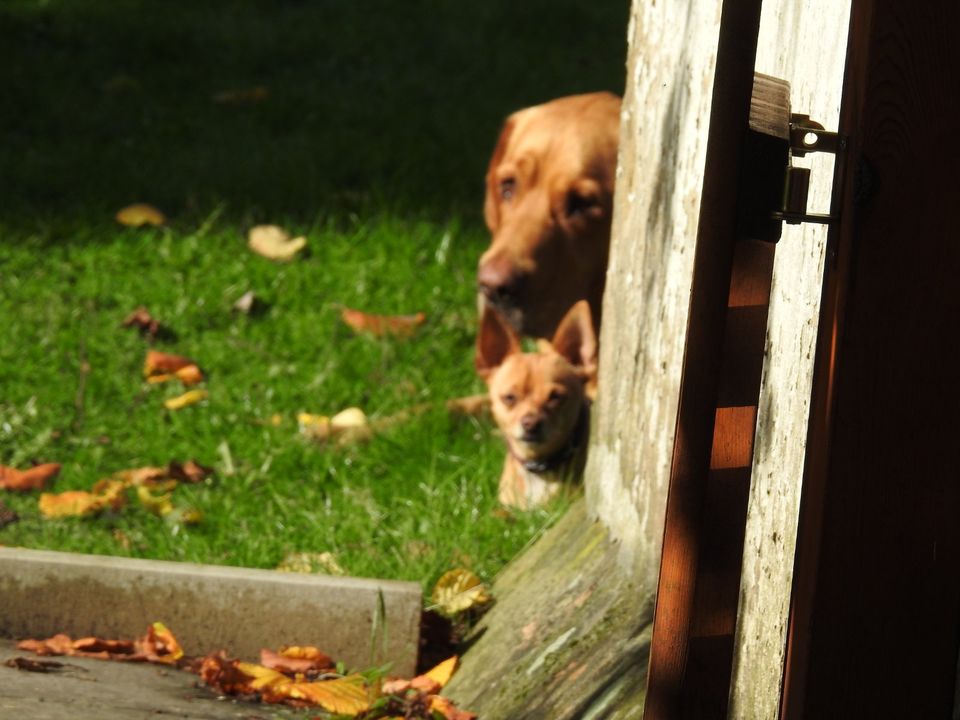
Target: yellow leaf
(273,243)
(106,494)
(140,214)
(459,590)
(159,505)
(188,398)
(261,677)
(442,673)
(305,562)
(346,695)
(350,425)
(159,634)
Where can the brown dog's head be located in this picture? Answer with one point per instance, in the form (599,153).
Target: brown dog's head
(548,204)
(537,399)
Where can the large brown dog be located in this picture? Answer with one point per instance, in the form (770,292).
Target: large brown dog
(548,205)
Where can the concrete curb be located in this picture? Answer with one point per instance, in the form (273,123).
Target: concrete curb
(362,622)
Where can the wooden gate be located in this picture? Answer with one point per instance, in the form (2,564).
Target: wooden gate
(875,603)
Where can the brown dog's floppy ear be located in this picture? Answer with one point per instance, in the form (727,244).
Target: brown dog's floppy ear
(576,340)
(491,206)
(495,341)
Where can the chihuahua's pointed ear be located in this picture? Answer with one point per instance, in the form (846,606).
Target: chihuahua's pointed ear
(495,341)
(576,340)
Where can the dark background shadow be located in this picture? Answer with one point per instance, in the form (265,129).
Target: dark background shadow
(369,104)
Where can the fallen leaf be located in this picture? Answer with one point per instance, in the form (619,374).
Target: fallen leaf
(140,214)
(442,672)
(241,96)
(274,243)
(188,398)
(350,425)
(142,320)
(346,695)
(190,471)
(159,505)
(447,710)
(305,562)
(160,363)
(34,478)
(398,325)
(105,494)
(296,659)
(249,304)
(262,678)
(159,645)
(459,590)
(223,674)
(7,516)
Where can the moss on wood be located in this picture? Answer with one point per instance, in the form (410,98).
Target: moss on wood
(569,635)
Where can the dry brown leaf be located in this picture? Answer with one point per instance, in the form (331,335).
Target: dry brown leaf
(274,243)
(398,325)
(160,645)
(34,478)
(190,397)
(241,96)
(7,516)
(223,674)
(307,660)
(160,363)
(140,214)
(142,320)
(189,472)
(459,590)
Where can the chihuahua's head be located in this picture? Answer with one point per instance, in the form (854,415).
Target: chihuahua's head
(538,398)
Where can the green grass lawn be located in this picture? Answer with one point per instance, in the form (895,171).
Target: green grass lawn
(372,142)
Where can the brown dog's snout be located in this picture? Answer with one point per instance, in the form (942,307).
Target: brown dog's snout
(532,424)
(500,281)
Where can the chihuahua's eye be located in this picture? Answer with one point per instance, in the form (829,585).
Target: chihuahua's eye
(581,205)
(508,189)
(555,397)
(508,399)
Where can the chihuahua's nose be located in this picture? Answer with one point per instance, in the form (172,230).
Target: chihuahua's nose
(499,281)
(532,424)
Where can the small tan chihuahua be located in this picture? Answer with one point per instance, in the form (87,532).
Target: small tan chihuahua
(541,402)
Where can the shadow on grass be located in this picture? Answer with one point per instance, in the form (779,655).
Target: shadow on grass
(371,106)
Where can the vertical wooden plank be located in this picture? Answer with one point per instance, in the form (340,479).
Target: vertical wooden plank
(666,108)
(686,675)
(876,621)
(805,44)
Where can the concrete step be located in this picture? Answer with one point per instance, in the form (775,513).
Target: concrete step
(362,622)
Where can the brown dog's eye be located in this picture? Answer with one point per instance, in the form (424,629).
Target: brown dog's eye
(508,188)
(555,397)
(508,399)
(581,205)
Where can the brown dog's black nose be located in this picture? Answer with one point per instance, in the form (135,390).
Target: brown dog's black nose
(532,425)
(500,282)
